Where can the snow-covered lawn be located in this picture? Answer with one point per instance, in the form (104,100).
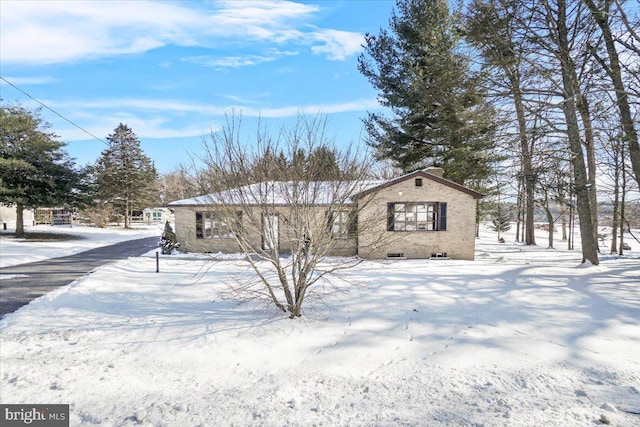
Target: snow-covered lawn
(520,337)
(19,251)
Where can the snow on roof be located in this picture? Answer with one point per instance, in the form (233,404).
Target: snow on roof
(311,192)
(284,192)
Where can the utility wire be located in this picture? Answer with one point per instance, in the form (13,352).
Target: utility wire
(55,112)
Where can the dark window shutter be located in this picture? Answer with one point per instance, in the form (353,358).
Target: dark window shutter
(330,219)
(238,225)
(353,224)
(390,215)
(199,233)
(443,216)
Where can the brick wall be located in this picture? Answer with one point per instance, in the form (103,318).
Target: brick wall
(458,241)
(185,228)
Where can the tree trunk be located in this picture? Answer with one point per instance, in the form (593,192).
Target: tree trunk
(19,220)
(589,143)
(477,219)
(527,168)
(587,233)
(630,136)
(623,196)
(572,223)
(616,201)
(519,206)
(616,220)
(127,214)
(551,226)
(545,206)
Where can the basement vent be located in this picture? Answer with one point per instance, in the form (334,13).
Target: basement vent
(396,255)
(439,255)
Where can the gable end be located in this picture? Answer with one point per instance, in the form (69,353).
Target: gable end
(420,174)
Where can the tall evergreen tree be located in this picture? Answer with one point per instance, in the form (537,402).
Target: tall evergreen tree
(35,171)
(126,177)
(492,27)
(321,165)
(440,116)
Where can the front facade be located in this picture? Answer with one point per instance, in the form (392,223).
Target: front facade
(427,216)
(418,215)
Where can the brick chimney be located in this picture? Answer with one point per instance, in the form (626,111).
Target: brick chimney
(434,171)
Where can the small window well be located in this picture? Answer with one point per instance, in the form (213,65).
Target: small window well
(439,255)
(397,255)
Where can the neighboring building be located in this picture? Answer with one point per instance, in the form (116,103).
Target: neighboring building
(55,216)
(417,215)
(8,215)
(156,215)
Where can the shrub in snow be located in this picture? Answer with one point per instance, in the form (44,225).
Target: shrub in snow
(169,242)
(501,222)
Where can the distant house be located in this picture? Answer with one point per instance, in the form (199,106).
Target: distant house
(54,216)
(156,215)
(8,215)
(426,216)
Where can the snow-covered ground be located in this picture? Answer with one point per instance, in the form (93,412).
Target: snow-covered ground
(523,336)
(19,251)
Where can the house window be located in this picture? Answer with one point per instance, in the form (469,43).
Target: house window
(210,225)
(417,216)
(342,224)
(418,182)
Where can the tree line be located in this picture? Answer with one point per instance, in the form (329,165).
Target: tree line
(534,99)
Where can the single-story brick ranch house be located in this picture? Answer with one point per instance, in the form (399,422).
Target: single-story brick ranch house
(417,215)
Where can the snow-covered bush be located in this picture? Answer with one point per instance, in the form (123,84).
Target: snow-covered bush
(169,242)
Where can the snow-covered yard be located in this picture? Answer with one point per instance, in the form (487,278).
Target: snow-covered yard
(522,336)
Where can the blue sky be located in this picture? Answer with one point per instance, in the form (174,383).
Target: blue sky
(170,70)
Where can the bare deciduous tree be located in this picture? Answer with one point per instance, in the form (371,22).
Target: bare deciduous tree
(284,221)
(602,13)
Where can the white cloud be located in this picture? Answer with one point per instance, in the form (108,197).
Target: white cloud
(338,45)
(152,118)
(237,61)
(228,61)
(294,110)
(242,100)
(254,12)
(34,32)
(54,31)
(144,127)
(169,107)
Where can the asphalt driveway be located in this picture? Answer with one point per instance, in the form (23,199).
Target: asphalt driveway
(21,284)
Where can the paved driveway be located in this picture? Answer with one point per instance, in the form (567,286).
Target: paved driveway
(21,284)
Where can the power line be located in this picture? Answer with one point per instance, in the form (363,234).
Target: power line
(54,112)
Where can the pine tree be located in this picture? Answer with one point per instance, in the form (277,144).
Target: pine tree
(440,116)
(492,26)
(501,221)
(35,171)
(169,241)
(321,165)
(126,177)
